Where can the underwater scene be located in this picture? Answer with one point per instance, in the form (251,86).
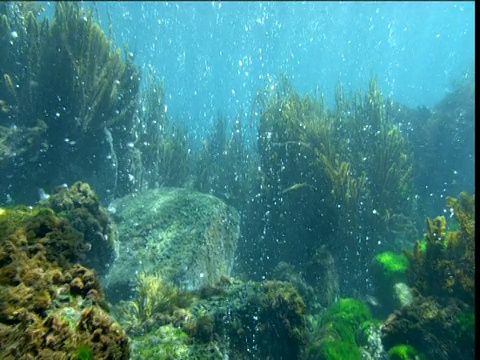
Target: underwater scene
(237,180)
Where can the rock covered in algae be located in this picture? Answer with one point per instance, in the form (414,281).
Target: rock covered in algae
(80,205)
(50,308)
(187,238)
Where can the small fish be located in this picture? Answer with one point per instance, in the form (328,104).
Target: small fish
(297,187)
(372,300)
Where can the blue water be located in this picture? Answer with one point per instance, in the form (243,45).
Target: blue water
(214,56)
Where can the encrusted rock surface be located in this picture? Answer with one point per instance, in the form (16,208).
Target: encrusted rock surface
(188,238)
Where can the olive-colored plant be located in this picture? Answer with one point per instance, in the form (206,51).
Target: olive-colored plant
(160,151)
(226,167)
(63,84)
(446,268)
(155,303)
(343,173)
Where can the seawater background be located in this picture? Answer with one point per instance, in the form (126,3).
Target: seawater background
(214,56)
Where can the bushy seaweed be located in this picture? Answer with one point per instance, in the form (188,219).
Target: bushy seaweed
(344,173)
(446,267)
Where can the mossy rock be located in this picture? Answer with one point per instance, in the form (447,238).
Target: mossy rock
(388,269)
(81,206)
(186,237)
(465,322)
(332,349)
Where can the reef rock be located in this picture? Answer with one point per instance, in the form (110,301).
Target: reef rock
(50,308)
(187,238)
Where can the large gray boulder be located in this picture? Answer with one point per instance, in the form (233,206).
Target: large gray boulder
(186,237)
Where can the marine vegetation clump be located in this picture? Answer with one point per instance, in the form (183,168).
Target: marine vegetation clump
(50,308)
(80,205)
(226,166)
(446,268)
(160,151)
(388,275)
(338,332)
(404,352)
(450,124)
(264,320)
(166,342)
(70,93)
(156,303)
(342,175)
(393,265)
(231,318)
(439,321)
(437,330)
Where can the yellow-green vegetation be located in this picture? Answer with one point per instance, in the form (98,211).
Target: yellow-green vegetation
(84,352)
(388,271)
(465,322)
(404,352)
(446,268)
(393,265)
(64,243)
(156,303)
(166,342)
(283,306)
(338,332)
